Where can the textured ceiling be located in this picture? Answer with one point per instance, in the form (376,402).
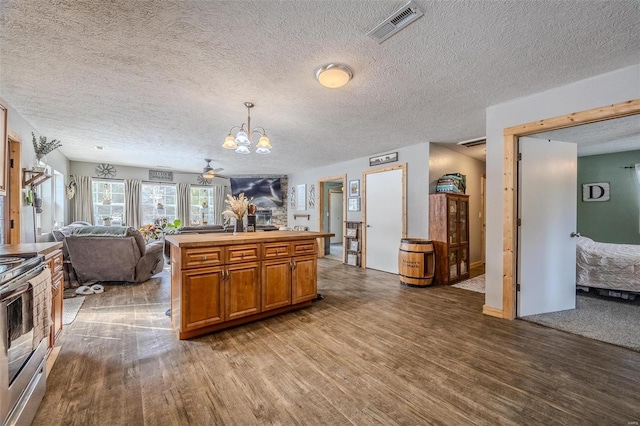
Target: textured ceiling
(621,134)
(159,83)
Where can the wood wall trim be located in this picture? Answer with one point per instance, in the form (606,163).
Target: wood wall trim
(493,312)
(510,193)
(608,112)
(14,198)
(4,149)
(363,194)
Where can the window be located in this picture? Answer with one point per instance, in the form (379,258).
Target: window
(108,201)
(159,203)
(50,199)
(59,194)
(202,206)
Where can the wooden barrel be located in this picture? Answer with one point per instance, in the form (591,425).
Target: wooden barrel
(416,262)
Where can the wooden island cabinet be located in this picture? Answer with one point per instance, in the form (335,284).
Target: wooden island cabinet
(223,280)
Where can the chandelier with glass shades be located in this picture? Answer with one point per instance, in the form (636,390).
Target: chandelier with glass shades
(242,141)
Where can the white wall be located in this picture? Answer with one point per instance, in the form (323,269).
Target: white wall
(443,161)
(19,129)
(606,89)
(417,159)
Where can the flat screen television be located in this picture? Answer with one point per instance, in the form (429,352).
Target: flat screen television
(266,192)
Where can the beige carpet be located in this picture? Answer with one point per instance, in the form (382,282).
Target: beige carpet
(472,284)
(610,320)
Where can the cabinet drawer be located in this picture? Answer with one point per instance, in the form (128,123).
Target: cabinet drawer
(275,250)
(55,262)
(304,247)
(199,257)
(244,253)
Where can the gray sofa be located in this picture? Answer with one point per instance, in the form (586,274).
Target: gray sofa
(203,229)
(112,253)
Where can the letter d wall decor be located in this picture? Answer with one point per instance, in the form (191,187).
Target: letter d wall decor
(596,191)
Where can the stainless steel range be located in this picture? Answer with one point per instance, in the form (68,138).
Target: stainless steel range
(22,352)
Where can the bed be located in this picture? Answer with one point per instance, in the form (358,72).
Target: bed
(607,266)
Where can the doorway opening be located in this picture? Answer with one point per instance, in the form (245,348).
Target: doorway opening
(510,140)
(333,211)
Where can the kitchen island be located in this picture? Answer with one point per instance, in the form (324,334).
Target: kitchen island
(224,280)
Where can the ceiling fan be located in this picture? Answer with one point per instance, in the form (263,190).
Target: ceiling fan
(208,172)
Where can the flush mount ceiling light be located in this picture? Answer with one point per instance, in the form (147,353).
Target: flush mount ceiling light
(242,141)
(334,75)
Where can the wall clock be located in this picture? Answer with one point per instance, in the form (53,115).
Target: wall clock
(105,170)
(204,181)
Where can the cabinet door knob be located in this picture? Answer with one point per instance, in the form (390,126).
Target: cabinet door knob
(204,257)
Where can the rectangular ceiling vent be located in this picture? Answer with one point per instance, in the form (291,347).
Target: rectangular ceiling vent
(397,21)
(473,142)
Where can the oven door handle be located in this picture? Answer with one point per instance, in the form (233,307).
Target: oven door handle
(17,292)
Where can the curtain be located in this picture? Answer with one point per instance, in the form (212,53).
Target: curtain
(82,209)
(219,194)
(184,203)
(132,202)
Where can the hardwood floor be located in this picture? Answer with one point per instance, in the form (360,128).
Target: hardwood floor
(371,352)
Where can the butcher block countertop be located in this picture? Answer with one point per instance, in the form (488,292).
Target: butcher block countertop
(227,238)
(29,248)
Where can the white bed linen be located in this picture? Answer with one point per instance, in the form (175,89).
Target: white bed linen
(605,265)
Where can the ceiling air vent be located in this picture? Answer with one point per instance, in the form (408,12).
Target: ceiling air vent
(473,142)
(397,21)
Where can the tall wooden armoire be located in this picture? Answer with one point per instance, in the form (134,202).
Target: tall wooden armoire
(449,231)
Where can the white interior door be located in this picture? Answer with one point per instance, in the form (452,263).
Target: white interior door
(384,219)
(335,216)
(547,210)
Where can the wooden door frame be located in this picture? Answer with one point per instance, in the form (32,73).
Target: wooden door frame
(13,200)
(510,193)
(403,167)
(483,223)
(321,210)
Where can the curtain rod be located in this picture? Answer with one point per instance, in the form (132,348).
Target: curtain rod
(158,182)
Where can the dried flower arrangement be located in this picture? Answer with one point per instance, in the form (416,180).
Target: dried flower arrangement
(44,147)
(237,206)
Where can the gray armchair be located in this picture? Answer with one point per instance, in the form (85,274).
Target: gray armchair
(112,253)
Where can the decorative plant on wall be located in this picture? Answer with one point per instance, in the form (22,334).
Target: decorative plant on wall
(43,148)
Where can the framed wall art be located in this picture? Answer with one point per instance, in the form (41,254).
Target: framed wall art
(354,188)
(384,158)
(599,191)
(354,205)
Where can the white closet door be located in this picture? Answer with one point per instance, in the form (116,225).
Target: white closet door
(335,216)
(384,219)
(548,209)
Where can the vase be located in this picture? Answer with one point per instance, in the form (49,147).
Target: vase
(238,226)
(40,165)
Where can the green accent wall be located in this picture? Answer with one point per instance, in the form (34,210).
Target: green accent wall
(616,220)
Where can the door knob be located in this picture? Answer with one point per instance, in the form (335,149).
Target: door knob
(575,234)
(368,226)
